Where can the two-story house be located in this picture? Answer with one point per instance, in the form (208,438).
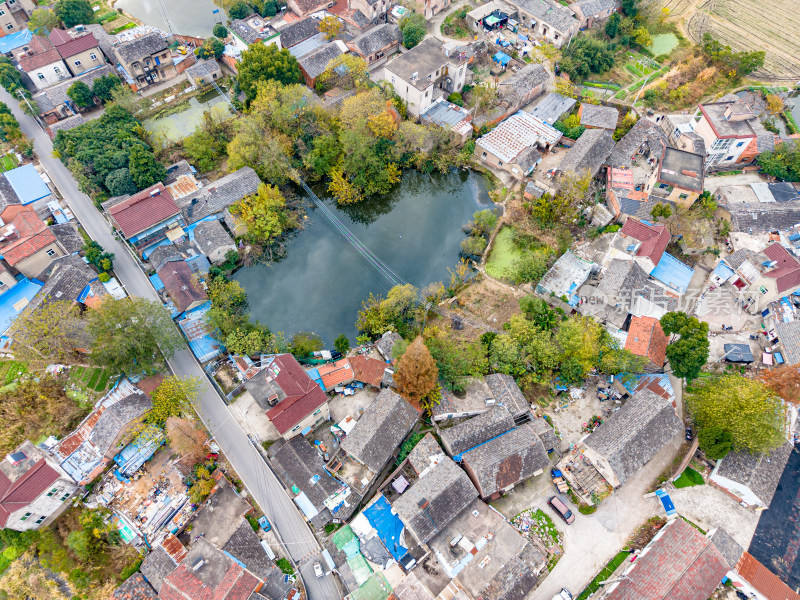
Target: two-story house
(80,52)
(376,44)
(42,62)
(678,178)
(34,489)
(425,73)
(146,61)
(26,243)
(549,20)
(14,15)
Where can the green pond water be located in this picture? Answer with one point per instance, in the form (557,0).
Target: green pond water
(664,43)
(178,125)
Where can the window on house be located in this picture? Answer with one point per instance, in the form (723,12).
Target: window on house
(2,12)
(40,76)
(52,492)
(740,144)
(500,162)
(316,412)
(484,155)
(50,252)
(93,56)
(64,497)
(729,158)
(683,196)
(77,63)
(40,520)
(762,289)
(25,517)
(2,284)
(10,26)
(12,2)
(296,428)
(56,69)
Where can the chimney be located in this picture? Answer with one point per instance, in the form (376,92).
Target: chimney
(423,503)
(688,173)
(728,112)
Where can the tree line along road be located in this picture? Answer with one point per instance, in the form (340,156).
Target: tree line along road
(258,478)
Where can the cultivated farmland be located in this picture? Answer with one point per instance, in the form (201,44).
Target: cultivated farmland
(770,25)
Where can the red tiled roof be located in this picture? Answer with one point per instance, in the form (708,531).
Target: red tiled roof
(682,564)
(59,36)
(654,238)
(44,53)
(787,272)
(335,374)
(31,235)
(142,211)
(182,584)
(368,370)
(181,284)
(77,45)
(16,495)
(172,546)
(303,395)
(764,580)
(135,588)
(646,338)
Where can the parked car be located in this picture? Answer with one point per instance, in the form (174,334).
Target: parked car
(558,505)
(564,594)
(318,570)
(265,525)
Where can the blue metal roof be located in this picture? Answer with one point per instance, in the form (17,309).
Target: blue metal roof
(156,281)
(135,454)
(15,40)
(15,300)
(199,334)
(673,273)
(27,183)
(723,271)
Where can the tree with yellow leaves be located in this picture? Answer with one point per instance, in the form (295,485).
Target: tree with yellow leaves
(264,213)
(330,26)
(171,398)
(342,189)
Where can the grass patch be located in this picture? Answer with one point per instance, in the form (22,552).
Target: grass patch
(604,574)
(621,94)
(703,531)
(285,566)
(122,28)
(102,382)
(689,478)
(95,377)
(253,522)
(14,370)
(8,162)
(331,527)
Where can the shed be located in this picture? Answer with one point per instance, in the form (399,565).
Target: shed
(27,184)
(501,57)
(738,353)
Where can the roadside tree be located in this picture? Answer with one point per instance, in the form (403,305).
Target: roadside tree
(171,398)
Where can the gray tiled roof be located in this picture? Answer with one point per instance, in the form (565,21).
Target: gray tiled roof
(211,235)
(590,8)
(474,431)
(517,577)
(163,254)
(737,258)
(507,393)
(380,430)
(156,566)
(507,460)
(761,218)
(386,343)
(7,194)
(67,124)
(104,40)
(545,432)
(117,417)
(643,132)
(759,472)
(589,152)
(219,194)
(315,63)
(297,463)
(68,236)
(135,587)
(299,31)
(729,548)
(203,67)
(377,38)
(630,438)
(425,453)
(624,280)
(434,500)
(552,106)
(244,546)
(789,334)
(65,284)
(597,115)
(244,32)
(142,47)
(555,15)
(528,158)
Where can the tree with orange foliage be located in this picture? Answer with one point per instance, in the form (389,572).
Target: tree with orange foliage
(417,376)
(784,381)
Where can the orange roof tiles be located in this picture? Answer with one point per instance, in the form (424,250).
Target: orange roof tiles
(764,580)
(29,236)
(337,373)
(646,338)
(368,370)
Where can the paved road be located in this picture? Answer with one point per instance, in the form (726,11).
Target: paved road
(246,460)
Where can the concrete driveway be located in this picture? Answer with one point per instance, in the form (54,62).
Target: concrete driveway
(592,540)
(712,183)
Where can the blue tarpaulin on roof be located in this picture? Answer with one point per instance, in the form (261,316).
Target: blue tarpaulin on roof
(388,525)
(673,273)
(16,299)
(156,281)
(15,40)
(135,454)
(502,58)
(199,333)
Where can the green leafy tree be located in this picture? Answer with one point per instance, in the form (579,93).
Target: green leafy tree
(586,55)
(81,94)
(249,341)
(458,361)
(394,313)
(94,253)
(74,12)
(540,313)
(661,209)
(10,78)
(413,28)
(51,334)
(144,168)
(42,21)
(103,86)
(473,245)
(227,295)
(342,344)
(630,7)
(128,334)
(211,48)
(118,182)
(483,222)
(220,31)
(264,213)
(715,442)
(202,486)
(688,351)
(171,398)
(748,410)
(304,343)
(524,350)
(612,25)
(260,63)
(239,10)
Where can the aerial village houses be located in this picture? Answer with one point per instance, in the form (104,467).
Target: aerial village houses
(597,116)
(181,285)
(53,102)
(252,30)
(26,243)
(34,490)
(315,63)
(515,92)
(146,61)
(751,478)
(515,144)
(292,400)
(80,52)
(203,72)
(42,62)
(14,15)
(589,153)
(555,23)
(303,8)
(646,338)
(145,218)
(590,12)
(377,44)
(679,177)
(425,73)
